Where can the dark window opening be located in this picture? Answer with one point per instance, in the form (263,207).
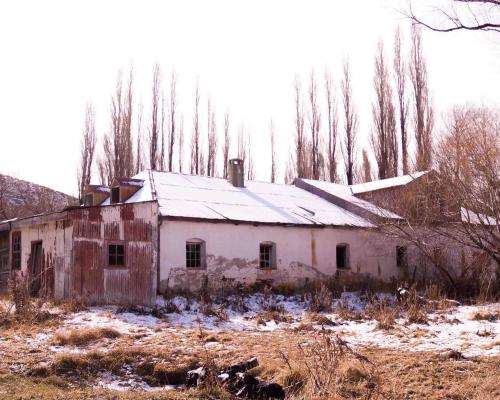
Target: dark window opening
(194,255)
(401,256)
(87,200)
(16,250)
(116,255)
(266,255)
(115,195)
(342,256)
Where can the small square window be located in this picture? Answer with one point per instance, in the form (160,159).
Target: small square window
(116,255)
(88,200)
(194,255)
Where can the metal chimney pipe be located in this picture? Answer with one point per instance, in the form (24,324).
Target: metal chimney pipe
(237,172)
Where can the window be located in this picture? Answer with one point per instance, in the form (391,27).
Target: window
(115,195)
(16,250)
(116,255)
(195,253)
(342,256)
(87,200)
(267,255)
(401,256)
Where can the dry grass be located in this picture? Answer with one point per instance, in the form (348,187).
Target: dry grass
(491,316)
(83,337)
(320,299)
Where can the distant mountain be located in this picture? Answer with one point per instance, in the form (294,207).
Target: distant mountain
(20,198)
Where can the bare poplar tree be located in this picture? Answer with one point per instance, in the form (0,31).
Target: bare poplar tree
(139,159)
(249,158)
(424,118)
(88,144)
(383,139)
(161,156)
(172,132)
(117,159)
(331,103)
(314,124)
(211,140)
(227,145)
(400,76)
(350,124)
(272,136)
(195,141)
(367,167)
(154,129)
(181,145)
(300,140)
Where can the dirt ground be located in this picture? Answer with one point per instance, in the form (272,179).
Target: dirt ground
(108,353)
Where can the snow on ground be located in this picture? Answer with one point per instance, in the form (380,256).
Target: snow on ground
(452,329)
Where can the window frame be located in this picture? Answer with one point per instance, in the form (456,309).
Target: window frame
(16,254)
(347,256)
(272,255)
(116,255)
(202,254)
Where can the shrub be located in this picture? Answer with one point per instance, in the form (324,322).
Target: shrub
(320,299)
(84,337)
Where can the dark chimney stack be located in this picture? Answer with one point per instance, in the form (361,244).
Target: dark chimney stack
(237,172)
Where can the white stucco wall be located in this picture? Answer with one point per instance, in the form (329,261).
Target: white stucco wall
(233,251)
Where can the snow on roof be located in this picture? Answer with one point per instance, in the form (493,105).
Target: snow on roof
(345,193)
(475,218)
(386,183)
(192,196)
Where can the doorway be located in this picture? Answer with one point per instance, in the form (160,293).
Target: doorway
(36,268)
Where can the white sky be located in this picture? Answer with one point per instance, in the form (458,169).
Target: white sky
(57,55)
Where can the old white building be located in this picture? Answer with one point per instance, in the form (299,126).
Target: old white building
(162,230)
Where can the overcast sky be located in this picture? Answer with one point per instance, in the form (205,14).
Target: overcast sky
(57,55)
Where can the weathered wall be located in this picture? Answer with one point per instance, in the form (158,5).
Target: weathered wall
(75,258)
(233,251)
(132,225)
(55,236)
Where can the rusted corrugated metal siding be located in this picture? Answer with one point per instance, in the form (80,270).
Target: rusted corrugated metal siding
(132,225)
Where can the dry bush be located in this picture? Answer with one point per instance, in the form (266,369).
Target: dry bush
(74,305)
(491,316)
(319,319)
(417,314)
(383,313)
(272,315)
(348,313)
(83,337)
(320,299)
(330,369)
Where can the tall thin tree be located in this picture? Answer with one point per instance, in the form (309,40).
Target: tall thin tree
(195,140)
(400,77)
(332,112)
(424,118)
(88,143)
(314,125)
(172,117)
(272,137)
(227,145)
(154,128)
(350,124)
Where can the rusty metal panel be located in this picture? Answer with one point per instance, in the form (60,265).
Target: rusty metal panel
(112,231)
(127,212)
(117,285)
(138,230)
(88,274)
(139,262)
(86,229)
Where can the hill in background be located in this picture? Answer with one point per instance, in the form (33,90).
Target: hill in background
(20,198)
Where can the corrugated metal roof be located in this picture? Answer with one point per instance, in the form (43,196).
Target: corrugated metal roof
(345,193)
(386,183)
(191,196)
